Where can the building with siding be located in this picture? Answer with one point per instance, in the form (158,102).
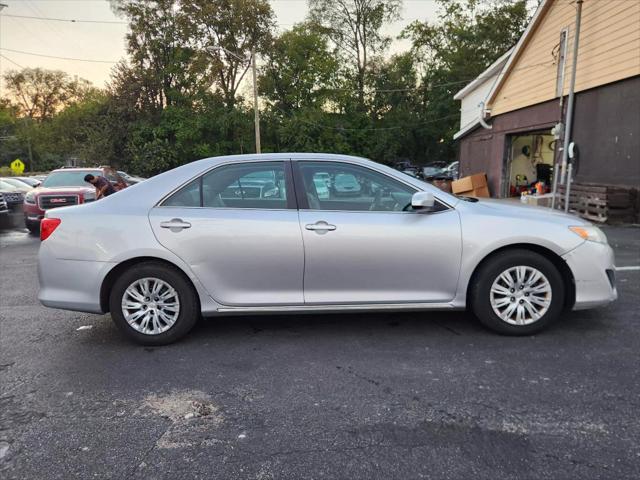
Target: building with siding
(508,113)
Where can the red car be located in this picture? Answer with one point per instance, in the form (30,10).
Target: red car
(64,187)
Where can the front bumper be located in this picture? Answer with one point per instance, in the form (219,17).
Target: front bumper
(593,268)
(32,213)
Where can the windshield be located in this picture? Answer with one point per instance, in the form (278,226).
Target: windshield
(73,178)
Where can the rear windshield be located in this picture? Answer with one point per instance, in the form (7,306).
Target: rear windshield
(69,179)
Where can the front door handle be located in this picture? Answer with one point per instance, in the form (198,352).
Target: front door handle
(320,227)
(175,224)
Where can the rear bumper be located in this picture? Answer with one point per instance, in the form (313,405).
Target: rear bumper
(70,284)
(593,268)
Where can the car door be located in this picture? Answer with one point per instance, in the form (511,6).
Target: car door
(237,228)
(368,246)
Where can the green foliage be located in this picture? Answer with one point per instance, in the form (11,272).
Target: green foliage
(299,70)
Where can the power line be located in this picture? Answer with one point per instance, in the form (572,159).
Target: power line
(65,20)
(9,60)
(59,58)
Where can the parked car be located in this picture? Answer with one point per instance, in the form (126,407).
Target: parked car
(452,170)
(61,188)
(345,184)
(322,182)
(130,179)
(4,208)
(31,181)
(13,196)
(434,170)
(157,258)
(17,184)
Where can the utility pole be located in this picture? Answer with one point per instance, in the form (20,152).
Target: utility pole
(564,178)
(256,110)
(252,60)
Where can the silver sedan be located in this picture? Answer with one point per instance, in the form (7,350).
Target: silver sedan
(274,233)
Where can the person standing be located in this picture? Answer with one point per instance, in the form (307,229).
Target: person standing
(103,186)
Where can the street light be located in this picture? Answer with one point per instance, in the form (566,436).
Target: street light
(252,59)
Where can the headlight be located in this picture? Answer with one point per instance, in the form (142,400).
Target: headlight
(89,197)
(590,233)
(30,197)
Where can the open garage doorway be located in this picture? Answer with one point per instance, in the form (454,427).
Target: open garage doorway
(529,161)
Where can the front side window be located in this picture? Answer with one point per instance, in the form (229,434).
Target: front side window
(342,186)
(245,185)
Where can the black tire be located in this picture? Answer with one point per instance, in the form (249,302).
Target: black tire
(489,272)
(33,227)
(189,305)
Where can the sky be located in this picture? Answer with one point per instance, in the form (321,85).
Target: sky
(104,43)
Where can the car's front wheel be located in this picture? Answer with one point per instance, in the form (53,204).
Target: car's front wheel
(153,304)
(33,227)
(517,292)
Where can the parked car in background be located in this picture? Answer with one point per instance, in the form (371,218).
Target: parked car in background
(174,257)
(130,179)
(31,181)
(322,182)
(13,196)
(452,170)
(4,208)
(345,184)
(64,187)
(17,184)
(433,170)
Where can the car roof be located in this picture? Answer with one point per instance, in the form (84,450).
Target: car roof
(77,169)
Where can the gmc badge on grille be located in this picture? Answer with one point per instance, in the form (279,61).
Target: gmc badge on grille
(58,200)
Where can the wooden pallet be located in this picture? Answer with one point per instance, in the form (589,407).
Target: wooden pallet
(600,203)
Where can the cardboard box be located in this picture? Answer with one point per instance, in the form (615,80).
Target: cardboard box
(473,183)
(481,192)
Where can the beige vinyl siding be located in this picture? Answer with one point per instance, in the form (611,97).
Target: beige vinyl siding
(609,51)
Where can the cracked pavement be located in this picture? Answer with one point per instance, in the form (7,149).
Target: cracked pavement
(411,395)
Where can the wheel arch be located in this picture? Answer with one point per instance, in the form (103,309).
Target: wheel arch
(553,257)
(115,272)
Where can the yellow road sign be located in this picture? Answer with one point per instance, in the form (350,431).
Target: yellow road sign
(17,166)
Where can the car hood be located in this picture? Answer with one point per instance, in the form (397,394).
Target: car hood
(507,208)
(62,190)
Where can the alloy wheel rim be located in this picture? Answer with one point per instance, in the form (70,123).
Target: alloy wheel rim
(521,295)
(150,306)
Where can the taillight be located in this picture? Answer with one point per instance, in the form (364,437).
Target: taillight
(48,226)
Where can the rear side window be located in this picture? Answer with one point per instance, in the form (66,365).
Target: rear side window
(246,185)
(187,196)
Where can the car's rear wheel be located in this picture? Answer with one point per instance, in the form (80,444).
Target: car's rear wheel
(153,304)
(517,292)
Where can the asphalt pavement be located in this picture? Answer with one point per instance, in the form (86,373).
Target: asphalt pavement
(411,395)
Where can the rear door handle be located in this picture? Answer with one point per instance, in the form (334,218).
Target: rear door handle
(175,224)
(321,227)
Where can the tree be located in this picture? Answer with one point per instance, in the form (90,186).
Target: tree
(468,37)
(39,94)
(161,65)
(242,27)
(299,70)
(355,26)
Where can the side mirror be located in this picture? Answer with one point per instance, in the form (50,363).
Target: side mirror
(423,201)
